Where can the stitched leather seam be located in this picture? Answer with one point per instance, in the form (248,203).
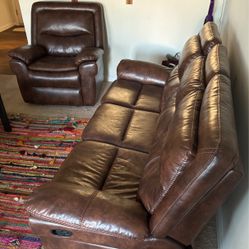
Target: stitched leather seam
(165,214)
(129,106)
(187,211)
(90,200)
(219,112)
(174,76)
(208,162)
(103,99)
(193,117)
(117,145)
(207,47)
(110,167)
(127,126)
(138,95)
(181,167)
(164,193)
(84,228)
(143,109)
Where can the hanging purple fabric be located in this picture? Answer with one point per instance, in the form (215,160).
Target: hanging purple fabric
(209,17)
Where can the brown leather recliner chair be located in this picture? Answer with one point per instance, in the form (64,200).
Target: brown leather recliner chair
(64,63)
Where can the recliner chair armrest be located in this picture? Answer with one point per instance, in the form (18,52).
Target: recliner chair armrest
(28,53)
(89,54)
(144,72)
(87,209)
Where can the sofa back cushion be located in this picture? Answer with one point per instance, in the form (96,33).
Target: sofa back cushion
(175,142)
(209,36)
(64,29)
(199,188)
(191,50)
(217,63)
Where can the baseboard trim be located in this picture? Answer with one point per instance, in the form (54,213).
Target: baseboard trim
(220,228)
(7,26)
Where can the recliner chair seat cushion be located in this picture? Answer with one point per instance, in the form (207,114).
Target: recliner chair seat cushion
(54,64)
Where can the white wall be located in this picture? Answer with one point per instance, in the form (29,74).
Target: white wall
(233,219)
(8,16)
(146,30)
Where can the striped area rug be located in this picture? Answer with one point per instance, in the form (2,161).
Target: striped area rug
(30,156)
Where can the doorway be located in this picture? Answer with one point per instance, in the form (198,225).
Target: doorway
(18,12)
(12,32)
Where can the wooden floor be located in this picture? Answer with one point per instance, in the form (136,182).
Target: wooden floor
(8,40)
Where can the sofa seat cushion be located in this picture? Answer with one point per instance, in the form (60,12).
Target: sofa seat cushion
(123,127)
(104,167)
(134,95)
(86,210)
(54,64)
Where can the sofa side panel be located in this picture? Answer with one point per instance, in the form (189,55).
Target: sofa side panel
(196,217)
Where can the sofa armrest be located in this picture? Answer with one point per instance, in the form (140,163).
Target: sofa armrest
(89,210)
(89,54)
(144,72)
(28,53)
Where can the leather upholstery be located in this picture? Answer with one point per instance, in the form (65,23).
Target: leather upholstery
(67,47)
(122,126)
(147,177)
(139,86)
(143,72)
(179,147)
(28,54)
(213,67)
(60,64)
(146,97)
(191,50)
(209,36)
(104,166)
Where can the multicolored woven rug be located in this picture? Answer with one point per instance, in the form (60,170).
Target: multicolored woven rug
(30,156)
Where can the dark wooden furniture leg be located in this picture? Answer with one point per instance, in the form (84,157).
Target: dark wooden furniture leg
(4,117)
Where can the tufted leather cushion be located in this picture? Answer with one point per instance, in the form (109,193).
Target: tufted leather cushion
(105,167)
(138,87)
(121,126)
(179,141)
(209,36)
(134,95)
(191,50)
(54,64)
(214,66)
(217,158)
(68,31)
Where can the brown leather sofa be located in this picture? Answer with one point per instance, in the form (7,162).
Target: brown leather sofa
(157,159)
(64,63)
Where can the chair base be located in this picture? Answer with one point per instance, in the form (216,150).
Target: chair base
(55,96)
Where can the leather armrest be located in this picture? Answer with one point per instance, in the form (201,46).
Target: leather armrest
(28,53)
(144,72)
(88,210)
(89,54)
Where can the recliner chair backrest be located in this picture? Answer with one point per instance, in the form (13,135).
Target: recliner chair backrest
(64,29)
